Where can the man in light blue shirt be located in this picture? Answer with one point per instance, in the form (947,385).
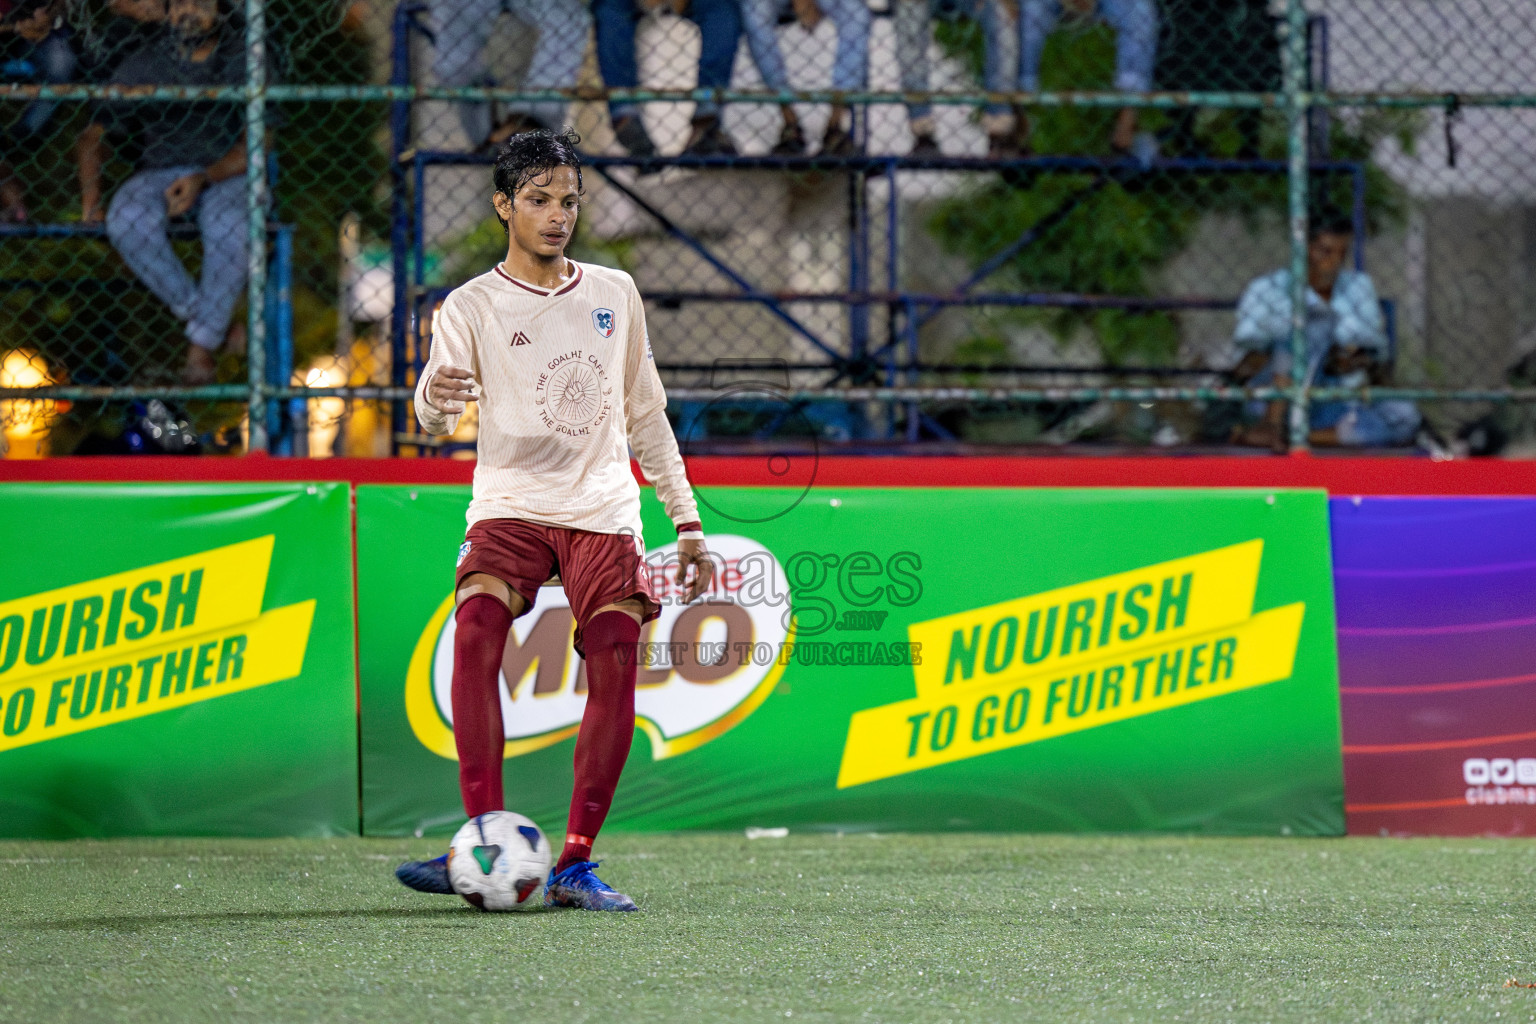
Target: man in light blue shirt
(1346,347)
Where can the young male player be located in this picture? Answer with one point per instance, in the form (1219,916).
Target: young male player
(556,354)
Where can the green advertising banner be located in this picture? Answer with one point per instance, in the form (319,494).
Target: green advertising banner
(176,660)
(1056,660)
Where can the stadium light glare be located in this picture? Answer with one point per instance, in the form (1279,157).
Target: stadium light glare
(325,414)
(26,421)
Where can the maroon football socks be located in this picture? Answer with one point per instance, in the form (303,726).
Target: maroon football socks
(478,642)
(607,728)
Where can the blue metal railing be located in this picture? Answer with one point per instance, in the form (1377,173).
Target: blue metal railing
(861,362)
(1303,100)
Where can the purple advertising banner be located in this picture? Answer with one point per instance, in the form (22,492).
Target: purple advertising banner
(1436,606)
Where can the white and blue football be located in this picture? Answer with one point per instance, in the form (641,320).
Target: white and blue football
(499,861)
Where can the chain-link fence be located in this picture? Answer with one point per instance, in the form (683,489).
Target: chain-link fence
(1143,223)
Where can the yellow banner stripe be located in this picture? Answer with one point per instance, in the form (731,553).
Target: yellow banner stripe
(970,721)
(1087,622)
(178,672)
(134,612)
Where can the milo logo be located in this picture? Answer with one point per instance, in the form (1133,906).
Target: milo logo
(698,675)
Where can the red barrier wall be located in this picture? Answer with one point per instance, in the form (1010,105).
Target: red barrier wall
(1337,474)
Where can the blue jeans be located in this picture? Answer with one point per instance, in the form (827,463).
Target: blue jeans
(1358,424)
(136,224)
(719,24)
(463,29)
(913,34)
(850,67)
(1134,22)
(1368,424)
(49,62)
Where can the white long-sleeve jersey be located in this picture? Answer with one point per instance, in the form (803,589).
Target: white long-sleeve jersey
(567,385)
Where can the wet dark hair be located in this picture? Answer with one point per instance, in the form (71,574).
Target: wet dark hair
(528,156)
(1329,220)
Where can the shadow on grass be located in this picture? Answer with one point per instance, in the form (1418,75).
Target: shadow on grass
(462,912)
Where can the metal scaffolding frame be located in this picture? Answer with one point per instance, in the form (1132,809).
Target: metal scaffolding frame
(266,389)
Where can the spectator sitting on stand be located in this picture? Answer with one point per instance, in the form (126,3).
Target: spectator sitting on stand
(1346,347)
(1135,25)
(126,27)
(192,160)
(719,24)
(463,30)
(36,49)
(850,67)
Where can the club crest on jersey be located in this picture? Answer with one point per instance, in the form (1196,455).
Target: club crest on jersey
(602,319)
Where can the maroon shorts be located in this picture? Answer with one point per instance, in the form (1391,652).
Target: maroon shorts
(596,569)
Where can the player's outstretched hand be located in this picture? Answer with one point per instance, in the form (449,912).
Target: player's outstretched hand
(450,388)
(692,552)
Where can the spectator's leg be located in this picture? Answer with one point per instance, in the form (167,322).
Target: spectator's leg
(614,23)
(55,58)
(719,24)
(1265,428)
(999,69)
(13,205)
(912,37)
(1036,20)
(850,68)
(1135,25)
(221,217)
(1330,419)
(759,20)
(463,28)
(1377,424)
(1401,418)
(557,56)
(1256,408)
(1272,431)
(136,224)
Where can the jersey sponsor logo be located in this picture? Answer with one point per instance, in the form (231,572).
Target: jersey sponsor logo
(573,396)
(603,320)
(521,339)
(144,641)
(692,687)
(1078,657)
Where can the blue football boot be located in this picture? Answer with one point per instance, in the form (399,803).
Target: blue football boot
(426,875)
(577,886)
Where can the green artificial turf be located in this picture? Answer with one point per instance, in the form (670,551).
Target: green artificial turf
(814,927)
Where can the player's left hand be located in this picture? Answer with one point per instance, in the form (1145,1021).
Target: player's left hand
(694,553)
